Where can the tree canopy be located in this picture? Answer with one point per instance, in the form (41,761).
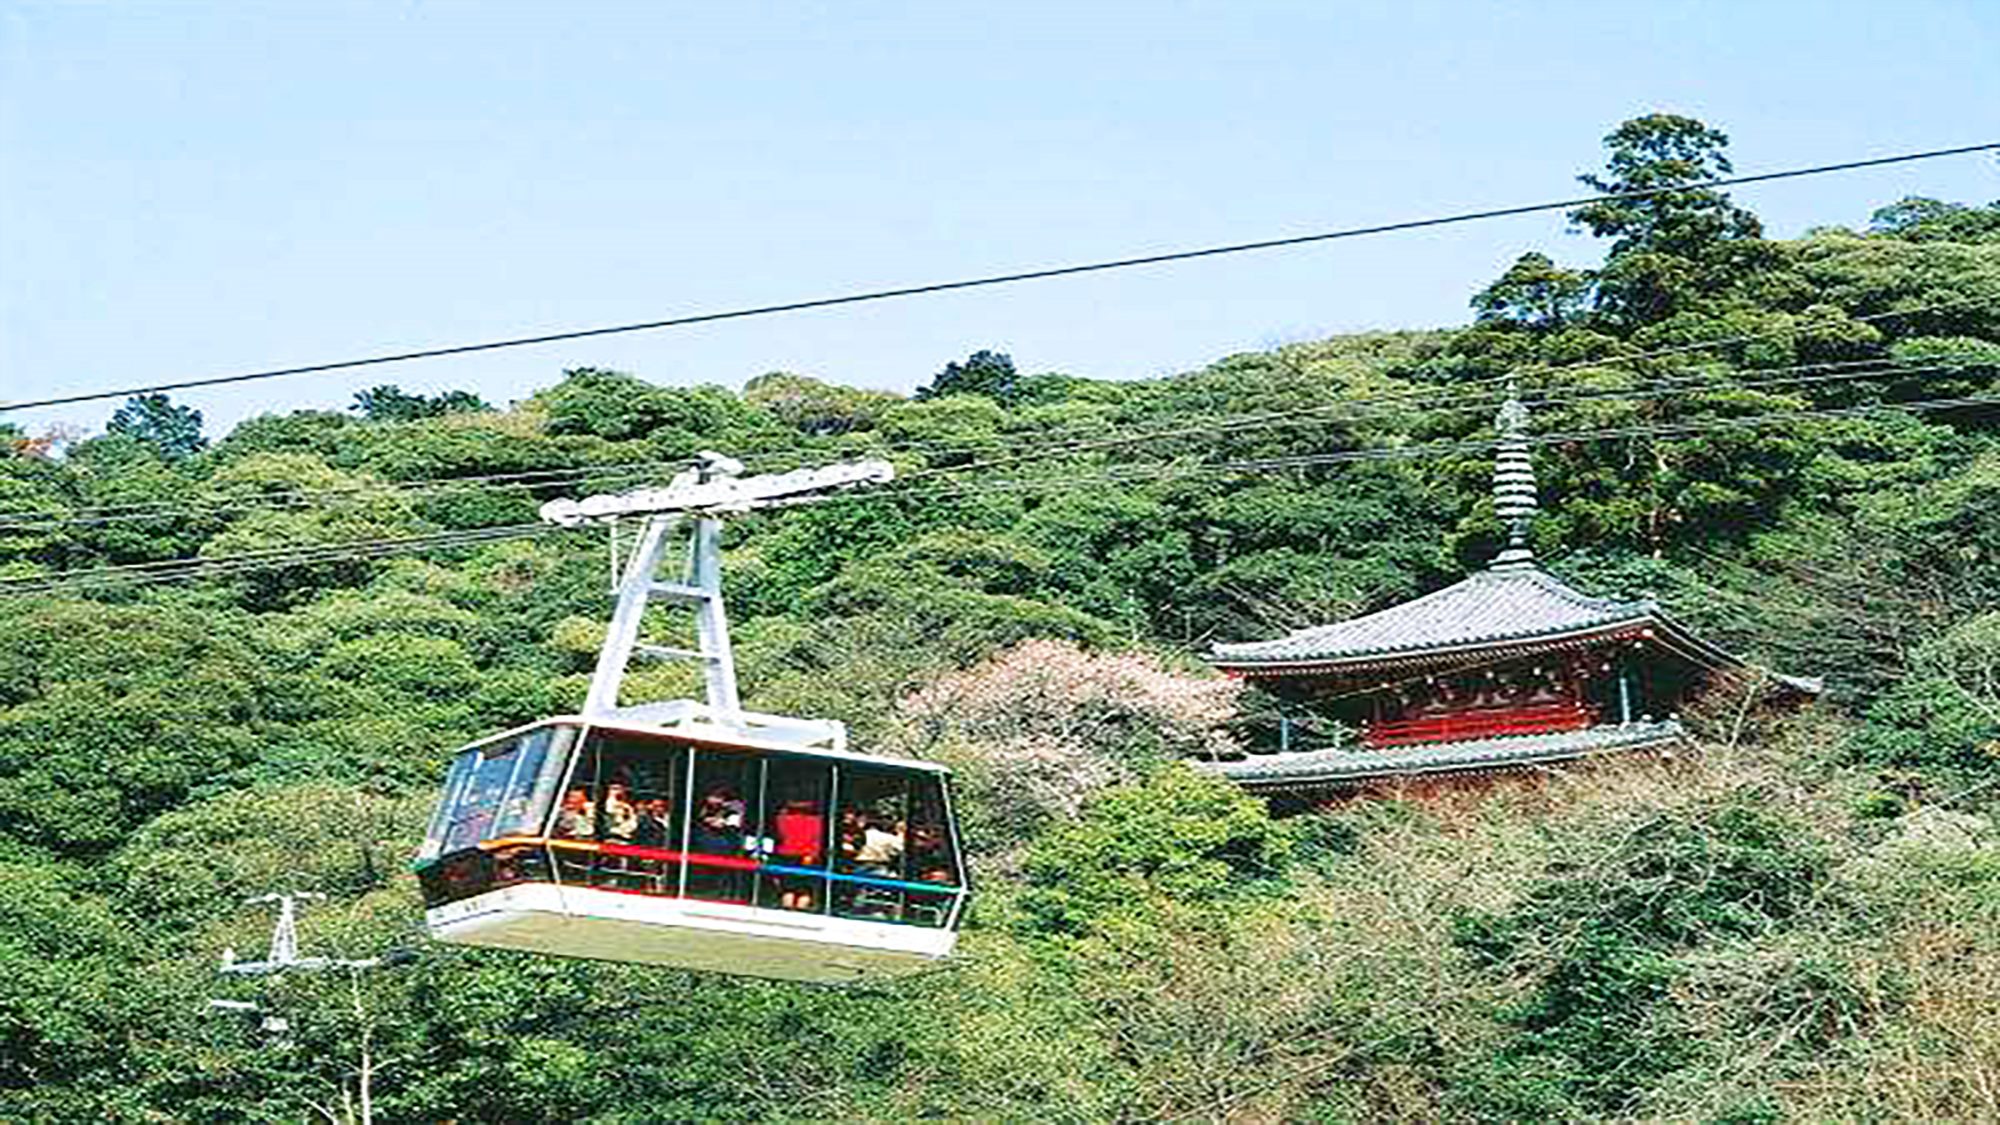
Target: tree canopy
(983,372)
(172,431)
(1787,442)
(390,403)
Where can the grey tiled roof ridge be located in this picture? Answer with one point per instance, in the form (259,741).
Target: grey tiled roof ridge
(1419,654)
(1330,767)
(1592,614)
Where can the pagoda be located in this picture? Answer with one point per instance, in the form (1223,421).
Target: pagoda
(1508,669)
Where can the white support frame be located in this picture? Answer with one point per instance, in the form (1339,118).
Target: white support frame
(696,497)
(698,587)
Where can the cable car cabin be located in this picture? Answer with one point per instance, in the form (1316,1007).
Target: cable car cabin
(687,844)
(696,835)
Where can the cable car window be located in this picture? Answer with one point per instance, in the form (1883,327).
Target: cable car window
(932,858)
(462,768)
(723,825)
(531,787)
(573,829)
(576,810)
(637,822)
(478,796)
(894,845)
(794,841)
(873,846)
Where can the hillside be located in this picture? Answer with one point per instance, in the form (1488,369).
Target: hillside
(1791,443)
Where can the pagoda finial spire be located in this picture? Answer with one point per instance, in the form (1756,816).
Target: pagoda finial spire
(1514,498)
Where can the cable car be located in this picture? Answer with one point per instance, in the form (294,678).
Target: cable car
(691,834)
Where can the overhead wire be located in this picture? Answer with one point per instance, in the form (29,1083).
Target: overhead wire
(276,558)
(1451,448)
(992,279)
(197,566)
(1485,402)
(1361,407)
(1457,389)
(1369,406)
(1833,371)
(1352,410)
(224,565)
(304,498)
(1643,430)
(1413,397)
(279,557)
(1172,470)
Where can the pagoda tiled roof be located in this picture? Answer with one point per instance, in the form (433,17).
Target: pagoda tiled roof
(1331,769)
(1498,606)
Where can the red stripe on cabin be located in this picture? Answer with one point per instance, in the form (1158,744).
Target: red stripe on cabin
(693,859)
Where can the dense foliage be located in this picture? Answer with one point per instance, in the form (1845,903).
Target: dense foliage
(1796,925)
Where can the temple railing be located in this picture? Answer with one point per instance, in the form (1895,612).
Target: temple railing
(1483,722)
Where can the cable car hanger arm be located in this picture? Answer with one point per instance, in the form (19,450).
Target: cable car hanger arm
(707,491)
(712,488)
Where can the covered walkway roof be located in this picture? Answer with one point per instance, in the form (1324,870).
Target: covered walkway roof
(1335,770)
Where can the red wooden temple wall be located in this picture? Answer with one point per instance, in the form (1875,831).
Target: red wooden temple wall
(1478,722)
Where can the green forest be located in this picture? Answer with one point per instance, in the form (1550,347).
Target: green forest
(232,664)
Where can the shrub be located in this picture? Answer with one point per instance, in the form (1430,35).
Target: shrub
(1179,836)
(1600,937)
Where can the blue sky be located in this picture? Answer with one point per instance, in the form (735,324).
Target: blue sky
(193,189)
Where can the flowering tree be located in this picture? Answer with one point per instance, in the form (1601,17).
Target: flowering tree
(1038,728)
